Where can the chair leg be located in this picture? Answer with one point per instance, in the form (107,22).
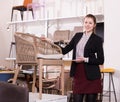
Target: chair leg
(40,77)
(34,79)
(32,13)
(62,79)
(16,73)
(113,87)
(21,12)
(28,9)
(12,14)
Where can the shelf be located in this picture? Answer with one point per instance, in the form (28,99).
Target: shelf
(100,18)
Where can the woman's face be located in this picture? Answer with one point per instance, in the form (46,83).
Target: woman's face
(89,25)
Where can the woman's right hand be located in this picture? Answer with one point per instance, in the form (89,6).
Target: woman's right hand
(79,59)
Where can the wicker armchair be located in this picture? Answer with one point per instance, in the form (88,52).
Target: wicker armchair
(31,50)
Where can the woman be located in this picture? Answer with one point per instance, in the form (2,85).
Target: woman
(87,56)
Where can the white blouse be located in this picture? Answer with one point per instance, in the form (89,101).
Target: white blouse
(81,45)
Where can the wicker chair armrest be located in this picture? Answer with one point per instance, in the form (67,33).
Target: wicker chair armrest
(46,47)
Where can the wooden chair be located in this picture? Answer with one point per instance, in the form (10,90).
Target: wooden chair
(76,30)
(31,50)
(22,8)
(61,36)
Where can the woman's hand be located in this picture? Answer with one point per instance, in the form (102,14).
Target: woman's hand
(80,59)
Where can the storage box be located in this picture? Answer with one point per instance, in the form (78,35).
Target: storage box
(6,75)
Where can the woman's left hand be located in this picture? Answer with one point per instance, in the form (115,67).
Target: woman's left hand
(79,59)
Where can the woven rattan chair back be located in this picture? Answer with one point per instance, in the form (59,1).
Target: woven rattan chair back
(25,51)
(61,35)
(42,47)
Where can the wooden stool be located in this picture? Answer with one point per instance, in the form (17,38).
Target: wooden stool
(110,71)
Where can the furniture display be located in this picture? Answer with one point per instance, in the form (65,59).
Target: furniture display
(43,59)
(31,50)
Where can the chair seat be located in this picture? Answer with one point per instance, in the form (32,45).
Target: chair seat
(52,56)
(20,8)
(108,70)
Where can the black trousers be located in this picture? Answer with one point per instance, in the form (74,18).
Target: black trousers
(87,97)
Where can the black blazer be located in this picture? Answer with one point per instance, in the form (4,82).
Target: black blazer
(93,50)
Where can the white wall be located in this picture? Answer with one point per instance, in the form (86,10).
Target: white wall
(5,36)
(112,39)
(112,36)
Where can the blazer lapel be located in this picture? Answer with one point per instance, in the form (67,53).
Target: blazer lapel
(78,38)
(89,41)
